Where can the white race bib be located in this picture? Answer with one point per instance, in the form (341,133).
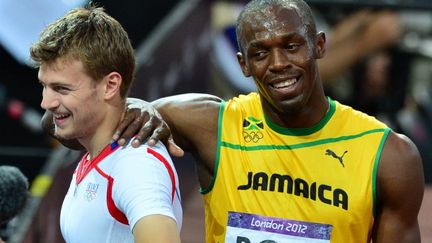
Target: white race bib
(252,228)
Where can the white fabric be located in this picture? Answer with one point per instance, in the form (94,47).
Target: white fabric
(141,186)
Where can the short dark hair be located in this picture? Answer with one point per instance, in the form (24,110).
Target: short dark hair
(255,5)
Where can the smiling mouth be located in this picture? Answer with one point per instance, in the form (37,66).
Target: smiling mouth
(284,84)
(59,117)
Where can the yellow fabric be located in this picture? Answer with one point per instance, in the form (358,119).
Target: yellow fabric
(329,186)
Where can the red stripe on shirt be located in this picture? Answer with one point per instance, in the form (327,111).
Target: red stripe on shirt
(112,208)
(162,159)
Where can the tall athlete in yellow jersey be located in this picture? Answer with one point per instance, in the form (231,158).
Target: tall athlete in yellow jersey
(288,164)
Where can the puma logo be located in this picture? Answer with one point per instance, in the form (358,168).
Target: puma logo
(334,155)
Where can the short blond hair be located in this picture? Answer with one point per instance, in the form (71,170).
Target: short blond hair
(92,36)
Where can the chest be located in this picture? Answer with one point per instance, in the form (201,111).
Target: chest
(85,212)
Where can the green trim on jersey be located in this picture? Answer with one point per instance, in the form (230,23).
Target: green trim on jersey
(375,171)
(304,131)
(300,145)
(289,176)
(219,139)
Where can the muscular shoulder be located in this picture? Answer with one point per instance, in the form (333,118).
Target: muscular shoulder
(400,173)
(399,151)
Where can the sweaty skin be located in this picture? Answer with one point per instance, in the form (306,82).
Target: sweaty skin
(284,54)
(272,55)
(281,56)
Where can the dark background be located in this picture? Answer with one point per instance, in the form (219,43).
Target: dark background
(25,148)
(29,150)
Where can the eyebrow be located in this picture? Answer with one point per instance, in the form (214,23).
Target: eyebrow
(261,43)
(55,83)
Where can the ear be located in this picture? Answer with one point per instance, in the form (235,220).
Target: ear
(320,46)
(112,85)
(243,65)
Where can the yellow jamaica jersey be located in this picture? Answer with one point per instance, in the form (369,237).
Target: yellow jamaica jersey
(273,184)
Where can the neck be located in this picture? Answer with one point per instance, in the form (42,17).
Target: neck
(103,135)
(307,116)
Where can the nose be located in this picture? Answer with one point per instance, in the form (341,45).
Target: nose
(279,60)
(50,101)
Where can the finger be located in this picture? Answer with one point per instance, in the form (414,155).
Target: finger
(152,142)
(132,129)
(121,141)
(124,123)
(143,134)
(136,142)
(174,149)
(152,128)
(162,133)
(156,137)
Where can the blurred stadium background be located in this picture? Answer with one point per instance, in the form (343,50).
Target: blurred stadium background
(189,46)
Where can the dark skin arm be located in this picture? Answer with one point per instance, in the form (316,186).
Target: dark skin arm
(400,173)
(141,117)
(400,192)
(193,119)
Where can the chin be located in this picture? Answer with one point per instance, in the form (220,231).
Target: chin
(64,135)
(292,105)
